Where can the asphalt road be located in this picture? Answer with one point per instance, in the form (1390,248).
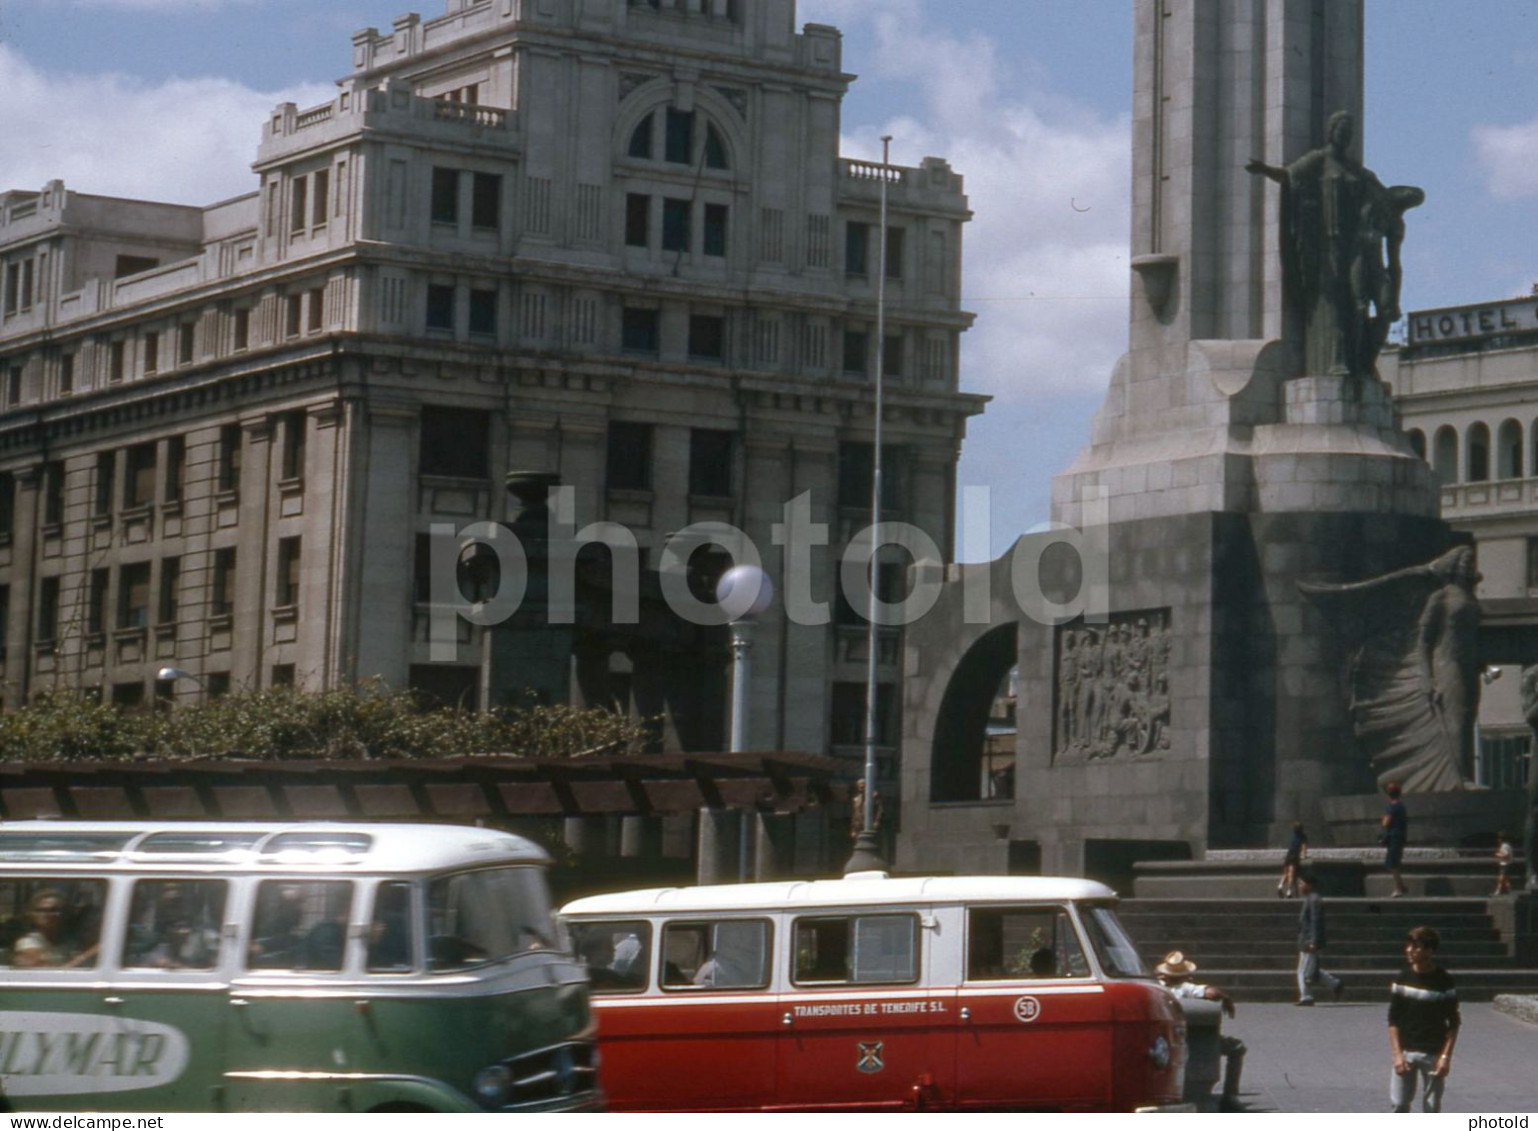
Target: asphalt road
(1334,1058)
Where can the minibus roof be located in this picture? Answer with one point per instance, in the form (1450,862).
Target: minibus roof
(261,846)
(871,889)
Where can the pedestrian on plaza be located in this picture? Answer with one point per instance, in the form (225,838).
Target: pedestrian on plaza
(1423,1024)
(1396,832)
(1297,852)
(1503,856)
(1175,974)
(1311,940)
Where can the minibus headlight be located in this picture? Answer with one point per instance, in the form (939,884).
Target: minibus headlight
(491,1084)
(1159,1053)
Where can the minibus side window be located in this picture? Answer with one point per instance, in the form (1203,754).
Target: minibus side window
(300,925)
(617,953)
(856,948)
(48,923)
(724,954)
(390,947)
(175,924)
(487,915)
(1022,942)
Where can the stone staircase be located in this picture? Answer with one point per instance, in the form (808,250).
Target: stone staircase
(1249,946)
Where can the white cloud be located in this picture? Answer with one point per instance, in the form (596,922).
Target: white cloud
(1509,156)
(190,141)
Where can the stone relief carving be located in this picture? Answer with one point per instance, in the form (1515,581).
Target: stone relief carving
(629,81)
(1113,697)
(1414,669)
(737,97)
(1341,232)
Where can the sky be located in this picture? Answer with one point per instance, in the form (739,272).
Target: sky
(1028,99)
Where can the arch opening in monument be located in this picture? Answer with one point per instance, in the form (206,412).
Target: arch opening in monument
(960,769)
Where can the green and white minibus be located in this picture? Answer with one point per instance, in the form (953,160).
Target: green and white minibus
(285,967)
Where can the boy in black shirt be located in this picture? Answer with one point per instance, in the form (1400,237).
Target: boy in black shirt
(1422,1024)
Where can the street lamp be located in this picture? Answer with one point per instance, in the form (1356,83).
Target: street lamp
(171,675)
(744,593)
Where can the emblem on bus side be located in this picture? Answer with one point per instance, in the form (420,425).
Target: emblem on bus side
(51,1054)
(1027,1009)
(870,1056)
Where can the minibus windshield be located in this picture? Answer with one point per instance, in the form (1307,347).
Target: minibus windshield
(487,915)
(1118,957)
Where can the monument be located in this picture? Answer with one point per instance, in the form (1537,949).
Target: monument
(1260,550)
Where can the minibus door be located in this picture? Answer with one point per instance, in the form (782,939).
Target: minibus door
(861,1028)
(1033,1027)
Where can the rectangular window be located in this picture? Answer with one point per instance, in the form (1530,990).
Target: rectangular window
(176,467)
(675,224)
(629,466)
(133,596)
(96,607)
(282,675)
(13,386)
(12,287)
(292,464)
(715,229)
(48,609)
(819,251)
(710,462)
(678,145)
(640,330)
(300,925)
(727,954)
(7,504)
(856,351)
(287,591)
(71,909)
(638,208)
(293,315)
(299,194)
(483,313)
(66,375)
(894,253)
(771,234)
(26,284)
(391,949)
(1532,563)
(230,441)
(455,442)
(445,196)
(855,469)
(1023,942)
(320,195)
(106,468)
(5,617)
(175,924)
(892,356)
(862,949)
(139,482)
(184,343)
(847,715)
(218,684)
(242,329)
(440,307)
(53,493)
(486,201)
(856,248)
(317,305)
(116,355)
(170,590)
(707,336)
(151,351)
(221,600)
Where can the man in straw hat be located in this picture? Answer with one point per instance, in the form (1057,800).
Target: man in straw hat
(1175,973)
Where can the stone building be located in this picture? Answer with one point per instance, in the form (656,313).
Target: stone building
(1464,381)
(613,240)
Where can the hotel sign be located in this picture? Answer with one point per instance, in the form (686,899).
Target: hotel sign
(1461,323)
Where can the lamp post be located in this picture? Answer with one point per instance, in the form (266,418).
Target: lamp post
(866,856)
(743,593)
(171,675)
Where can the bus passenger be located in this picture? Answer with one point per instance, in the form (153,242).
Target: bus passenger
(43,944)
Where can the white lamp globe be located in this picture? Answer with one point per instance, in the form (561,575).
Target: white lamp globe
(744,592)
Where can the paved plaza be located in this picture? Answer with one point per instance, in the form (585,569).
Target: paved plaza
(1334,1058)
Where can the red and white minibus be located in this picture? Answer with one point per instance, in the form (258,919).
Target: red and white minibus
(873,993)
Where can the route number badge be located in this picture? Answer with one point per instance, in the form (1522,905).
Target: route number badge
(1027,1009)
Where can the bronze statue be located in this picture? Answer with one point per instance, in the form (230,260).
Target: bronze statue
(1341,231)
(1414,669)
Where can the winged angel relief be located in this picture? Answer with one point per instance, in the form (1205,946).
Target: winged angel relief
(1414,668)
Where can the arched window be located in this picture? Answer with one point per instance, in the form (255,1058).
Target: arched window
(1478,453)
(1444,460)
(683,142)
(1418,442)
(1508,451)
